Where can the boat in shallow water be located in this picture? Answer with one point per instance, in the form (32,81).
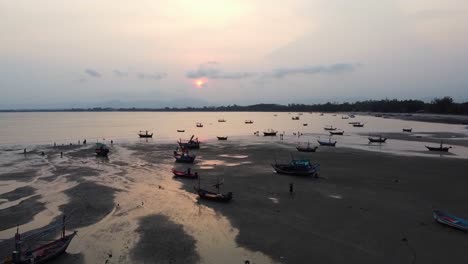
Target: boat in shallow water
(328,143)
(333,133)
(450,220)
(270,133)
(190,144)
(101,150)
(407,129)
(377,139)
(222,138)
(297,168)
(145,134)
(440,148)
(308,148)
(185,174)
(184,156)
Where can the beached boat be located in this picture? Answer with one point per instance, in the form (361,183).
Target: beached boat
(221,120)
(333,133)
(101,150)
(270,133)
(354,123)
(180,130)
(185,174)
(222,138)
(308,148)
(358,125)
(440,148)
(190,144)
(43,253)
(297,168)
(145,134)
(328,143)
(344,117)
(305,124)
(295,118)
(450,220)
(330,128)
(199,125)
(351,116)
(407,129)
(377,139)
(213,196)
(184,157)
(248,121)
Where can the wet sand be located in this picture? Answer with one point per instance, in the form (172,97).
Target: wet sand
(366,207)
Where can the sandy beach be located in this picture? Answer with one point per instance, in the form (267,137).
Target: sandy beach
(365,207)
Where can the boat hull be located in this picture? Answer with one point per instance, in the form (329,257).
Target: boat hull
(50,251)
(216,197)
(146,136)
(327,143)
(450,220)
(183,174)
(289,170)
(439,149)
(306,149)
(377,140)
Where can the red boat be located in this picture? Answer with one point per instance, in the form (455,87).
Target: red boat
(185,174)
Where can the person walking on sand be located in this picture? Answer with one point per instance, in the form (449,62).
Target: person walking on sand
(291,188)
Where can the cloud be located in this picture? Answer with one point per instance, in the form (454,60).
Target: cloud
(212,70)
(120,73)
(312,70)
(430,14)
(93,73)
(151,76)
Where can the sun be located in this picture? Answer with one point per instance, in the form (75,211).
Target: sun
(200,83)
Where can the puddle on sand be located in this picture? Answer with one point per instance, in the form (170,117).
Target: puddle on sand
(274,200)
(336,196)
(214,163)
(234,156)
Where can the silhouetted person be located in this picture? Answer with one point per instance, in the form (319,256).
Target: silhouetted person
(61,154)
(188,171)
(79,142)
(84,142)
(55,144)
(42,153)
(112,142)
(24,151)
(291,188)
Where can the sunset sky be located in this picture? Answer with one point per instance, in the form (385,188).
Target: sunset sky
(76,53)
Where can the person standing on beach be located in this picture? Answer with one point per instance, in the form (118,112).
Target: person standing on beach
(291,188)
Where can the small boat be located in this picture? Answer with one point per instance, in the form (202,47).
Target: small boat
(199,125)
(180,130)
(275,115)
(248,121)
(270,133)
(344,117)
(297,168)
(450,220)
(41,254)
(321,114)
(351,116)
(441,148)
(221,120)
(190,144)
(222,138)
(307,149)
(330,128)
(378,115)
(377,139)
(407,130)
(213,196)
(354,123)
(339,133)
(101,150)
(145,134)
(184,157)
(329,143)
(358,125)
(295,118)
(305,124)
(185,174)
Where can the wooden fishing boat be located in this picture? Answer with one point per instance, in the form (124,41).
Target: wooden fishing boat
(305,124)
(377,139)
(307,149)
(351,116)
(248,121)
(199,125)
(339,133)
(407,129)
(295,118)
(328,143)
(330,128)
(270,133)
(180,130)
(145,134)
(213,196)
(221,120)
(354,123)
(43,253)
(450,220)
(358,125)
(440,148)
(101,150)
(185,174)
(190,144)
(297,168)
(222,138)
(184,157)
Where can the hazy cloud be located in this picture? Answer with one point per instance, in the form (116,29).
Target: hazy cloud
(93,73)
(311,70)
(120,73)
(151,76)
(212,70)
(430,14)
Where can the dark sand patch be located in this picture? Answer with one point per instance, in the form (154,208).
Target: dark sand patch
(73,173)
(162,241)
(20,214)
(22,176)
(89,203)
(382,199)
(18,193)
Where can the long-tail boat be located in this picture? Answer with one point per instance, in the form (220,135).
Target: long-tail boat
(101,150)
(339,133)
(297,168)
(270,133)
(190,144)
(377,139)
(185,174)
(308,148)
(184,156)
(450,220)
(222,138)
(328,143)
(213,196)
(407,130)
(441,148)
(145,134)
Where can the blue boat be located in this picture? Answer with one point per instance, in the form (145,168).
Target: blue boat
(450,220)
(297,168)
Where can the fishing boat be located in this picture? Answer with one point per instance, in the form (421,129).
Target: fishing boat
(328,143)
(305,124)
(145,134)
(101,150)
(450,220)
(440,148)
(43,253)
(295,118)
(297,168)
(307,149)
(222,138)
(184,156)
(407,130)
(185,174)
(344,117)
(199,125)
(248,121)
(221,120)
(358,124)
(377,139)
(180,130)
(354,123)
(351,116)
(190,144)
(213,196)
(330,128)
(339,133)
(270,133)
